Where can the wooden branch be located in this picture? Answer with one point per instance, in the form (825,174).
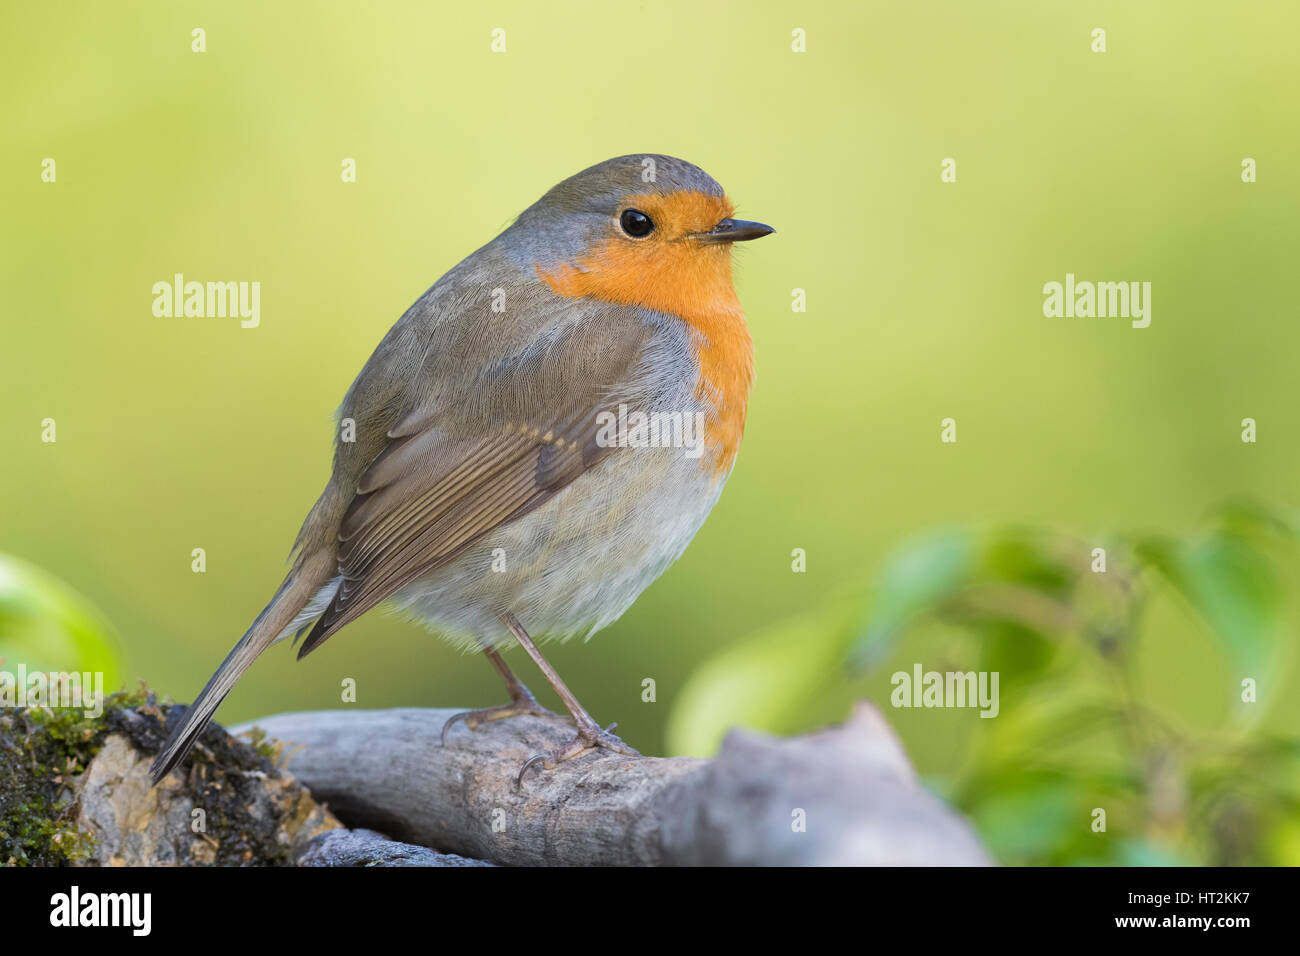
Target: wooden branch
(851,786)
(367,848)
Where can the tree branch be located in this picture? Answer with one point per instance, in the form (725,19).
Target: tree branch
(846,795)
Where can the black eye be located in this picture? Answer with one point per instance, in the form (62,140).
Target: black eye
(636,223)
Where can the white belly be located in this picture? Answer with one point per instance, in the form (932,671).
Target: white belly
(576,563)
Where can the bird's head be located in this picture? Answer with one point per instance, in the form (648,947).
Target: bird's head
(647,230)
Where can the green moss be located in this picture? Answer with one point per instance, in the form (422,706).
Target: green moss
(258,740)
(41,751)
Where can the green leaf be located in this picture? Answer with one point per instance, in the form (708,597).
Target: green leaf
(1232,586)
(1250,516)
(1030,818)
(1045,727)
(1147,853)
(1009,587)
(914,581)
(773,681)
(47,626)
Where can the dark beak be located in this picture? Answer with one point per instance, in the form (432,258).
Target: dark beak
(734,230)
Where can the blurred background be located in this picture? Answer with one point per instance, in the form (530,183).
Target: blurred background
(924,302)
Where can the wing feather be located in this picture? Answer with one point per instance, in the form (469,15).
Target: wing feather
(433,489)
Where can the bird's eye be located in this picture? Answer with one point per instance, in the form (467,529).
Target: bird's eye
(636,223)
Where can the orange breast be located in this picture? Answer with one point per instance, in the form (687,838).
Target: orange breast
(691,280)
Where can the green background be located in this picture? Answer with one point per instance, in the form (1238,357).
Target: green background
(923,298)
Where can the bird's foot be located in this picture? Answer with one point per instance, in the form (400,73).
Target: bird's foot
(590,737)
(524,703)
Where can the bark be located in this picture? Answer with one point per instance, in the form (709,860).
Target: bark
(367,848)
(842,796)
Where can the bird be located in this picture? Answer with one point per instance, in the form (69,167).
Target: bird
(534,442)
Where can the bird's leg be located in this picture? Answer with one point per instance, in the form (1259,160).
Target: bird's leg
(590,734)
(522,700)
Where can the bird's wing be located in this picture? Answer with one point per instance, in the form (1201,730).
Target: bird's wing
(450,473)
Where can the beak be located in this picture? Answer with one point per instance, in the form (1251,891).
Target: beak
(734,230)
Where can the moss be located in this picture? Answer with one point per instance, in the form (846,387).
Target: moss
(226,778)
(41,751)
(258,740)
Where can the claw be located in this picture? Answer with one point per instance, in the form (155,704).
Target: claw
(519,778)
(587,739)
(463,715)
(517,707)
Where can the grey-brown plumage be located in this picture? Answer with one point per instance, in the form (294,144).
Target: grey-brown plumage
(476,423)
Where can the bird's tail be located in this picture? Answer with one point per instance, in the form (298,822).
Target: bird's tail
(297,589)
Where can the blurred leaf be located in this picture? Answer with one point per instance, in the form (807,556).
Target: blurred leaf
(1283,842)
(1030,817)
(1247,515)
(47,626)
(1231,585)
(1147,853)
(1012,587)
(1032,560)
(914,580)
(766,682)
(1015,652)
(1039,730)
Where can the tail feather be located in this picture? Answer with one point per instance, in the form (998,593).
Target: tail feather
(293,594)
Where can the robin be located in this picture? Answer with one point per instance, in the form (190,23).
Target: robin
(535,441)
